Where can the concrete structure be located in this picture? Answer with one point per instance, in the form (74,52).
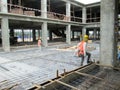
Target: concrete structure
(57,20)
(62,21)
(42,17)
(108,41)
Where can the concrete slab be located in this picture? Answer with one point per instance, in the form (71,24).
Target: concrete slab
(27,67)
(3,60)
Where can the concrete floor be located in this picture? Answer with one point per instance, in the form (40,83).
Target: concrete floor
(23,68)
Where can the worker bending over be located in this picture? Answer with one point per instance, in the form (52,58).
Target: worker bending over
(82,50)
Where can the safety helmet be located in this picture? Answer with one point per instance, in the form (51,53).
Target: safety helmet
(85,38)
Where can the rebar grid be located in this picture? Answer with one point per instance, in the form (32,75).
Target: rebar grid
(111,81)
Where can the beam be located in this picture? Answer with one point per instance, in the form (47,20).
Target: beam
(88,75)
(38,19)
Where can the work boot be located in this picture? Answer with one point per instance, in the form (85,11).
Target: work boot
(89,61)
(81,64)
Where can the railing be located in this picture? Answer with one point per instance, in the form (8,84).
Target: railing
(96,19)
(76,19)
(23,10)
(16,9)
(58,16)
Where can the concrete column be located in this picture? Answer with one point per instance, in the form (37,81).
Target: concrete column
(95,34)
(84,16)
(68,34)
(22,35)
(68,10)
(44,34)
(83,31)
(3,5)
(107,32)
(44,8)
(5,34)
(38,33)
(34,37)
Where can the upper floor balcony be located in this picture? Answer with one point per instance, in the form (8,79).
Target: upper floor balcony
(56,9)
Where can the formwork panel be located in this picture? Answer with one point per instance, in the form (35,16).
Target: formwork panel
(55,86)
(104,79)
(73,79)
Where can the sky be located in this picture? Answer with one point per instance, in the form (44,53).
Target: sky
(88,1)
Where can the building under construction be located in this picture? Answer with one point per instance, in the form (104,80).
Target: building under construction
(59,23)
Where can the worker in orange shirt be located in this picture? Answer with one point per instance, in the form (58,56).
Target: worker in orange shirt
(39,43)
(82,49)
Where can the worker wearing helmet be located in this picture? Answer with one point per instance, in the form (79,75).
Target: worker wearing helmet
(82,49)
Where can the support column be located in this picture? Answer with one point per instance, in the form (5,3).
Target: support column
(5,34)
(4,7)
(68,27)
(68,11)
(5,27)
(23,35)
(84,20)
(107,56)
(83,31)
(95,34)
(44,34)
(34,36)
(44,8)
(38,33)
(68,34)
(84,15)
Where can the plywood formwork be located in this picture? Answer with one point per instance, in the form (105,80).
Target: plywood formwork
(91,77)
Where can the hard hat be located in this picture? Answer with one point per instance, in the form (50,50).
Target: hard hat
(85,38)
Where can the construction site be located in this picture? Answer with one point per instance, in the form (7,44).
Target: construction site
(61,25)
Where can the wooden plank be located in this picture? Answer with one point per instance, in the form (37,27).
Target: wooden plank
(67,85)
(9,88)
(3,81)
(38,86)
(84,74)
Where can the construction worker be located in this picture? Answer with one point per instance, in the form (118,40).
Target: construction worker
(39,43)
(82,49)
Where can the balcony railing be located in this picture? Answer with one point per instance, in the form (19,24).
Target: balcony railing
(58,16)
(16,9)
(76,19)
(23,10)
(96,19)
